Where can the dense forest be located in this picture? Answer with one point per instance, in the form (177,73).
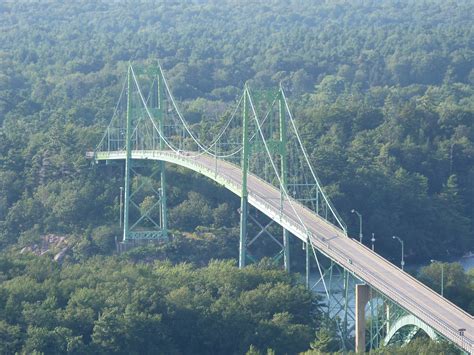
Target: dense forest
(115,306)
(383,94)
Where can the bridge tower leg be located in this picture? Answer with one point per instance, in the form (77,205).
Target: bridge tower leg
(245,167)
(308,265)
(128,159)
(284,175)
(160,116)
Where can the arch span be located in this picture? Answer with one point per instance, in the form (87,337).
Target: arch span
(409,320)
(420,301)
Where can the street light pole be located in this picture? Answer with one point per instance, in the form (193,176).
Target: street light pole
(403,252)
(442,275)
(360,223)
(373,241)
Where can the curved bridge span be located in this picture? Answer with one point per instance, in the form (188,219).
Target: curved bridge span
(437,312)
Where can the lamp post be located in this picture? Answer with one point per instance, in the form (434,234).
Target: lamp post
(403,252)
(360,223)
(442,275)
(373,241)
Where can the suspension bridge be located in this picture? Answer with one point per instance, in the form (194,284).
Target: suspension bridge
(255,151)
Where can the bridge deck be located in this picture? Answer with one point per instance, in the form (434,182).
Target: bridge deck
(400,287)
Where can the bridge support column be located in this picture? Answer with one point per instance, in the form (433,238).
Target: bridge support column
(308,265)
(284,175)
(362,297)
(245,168)
(160,114)
(243,232)
(128,160)
(286,250)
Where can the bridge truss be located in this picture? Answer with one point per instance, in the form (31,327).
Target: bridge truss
(258,142)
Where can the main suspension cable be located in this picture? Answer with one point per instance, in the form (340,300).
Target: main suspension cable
(200,145)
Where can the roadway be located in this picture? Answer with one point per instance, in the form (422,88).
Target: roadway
(400,287)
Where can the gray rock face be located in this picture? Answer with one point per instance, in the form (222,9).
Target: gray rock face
(49,243)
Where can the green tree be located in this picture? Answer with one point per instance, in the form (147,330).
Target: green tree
(11,338)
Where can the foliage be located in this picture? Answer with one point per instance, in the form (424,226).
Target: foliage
(458,286)
(419,346)
(196,248)
(108,305)
(327,339)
